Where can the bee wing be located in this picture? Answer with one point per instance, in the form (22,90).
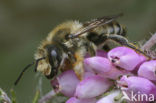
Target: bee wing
(95,23)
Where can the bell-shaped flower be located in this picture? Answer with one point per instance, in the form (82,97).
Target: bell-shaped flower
(125,58)
(91,87)
(115,73)
(88,74)
(148,70)
(66,83)
(111,97)
(137,86)
(98,64)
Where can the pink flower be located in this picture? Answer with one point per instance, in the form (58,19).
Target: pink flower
(66,83)
(103,71)
(137,85)
(91,87)
(110,98)
(148,70)
(98,64)
(125,58)
(115,73)
(88,74)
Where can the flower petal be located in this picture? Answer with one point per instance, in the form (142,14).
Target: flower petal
(110,98)
(98,64)
(88,74)
(67,83)
(125,58)
(148,70)
(137,85)
(92,87)
(115,73)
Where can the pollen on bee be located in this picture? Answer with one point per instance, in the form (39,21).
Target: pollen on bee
(43,67)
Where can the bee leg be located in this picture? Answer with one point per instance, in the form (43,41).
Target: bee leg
(91,49)
(123,41)
(71,56)
(78,66)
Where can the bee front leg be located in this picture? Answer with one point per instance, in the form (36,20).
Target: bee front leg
(78,66)
(91,49)
(123,41)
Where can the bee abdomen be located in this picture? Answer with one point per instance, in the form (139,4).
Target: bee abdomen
(118,29)
(113,28)
(98,35)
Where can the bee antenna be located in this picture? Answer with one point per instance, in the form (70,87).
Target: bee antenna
(29,65)
(36,64)
(21,74)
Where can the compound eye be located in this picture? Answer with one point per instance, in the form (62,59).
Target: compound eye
(53,53)
(54,64)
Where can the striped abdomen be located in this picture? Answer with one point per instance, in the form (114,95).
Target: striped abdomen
(98,35)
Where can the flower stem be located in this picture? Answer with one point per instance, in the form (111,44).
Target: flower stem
(37,95)
(150,43)
(47,97)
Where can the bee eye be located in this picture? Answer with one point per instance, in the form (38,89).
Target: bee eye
(53,53)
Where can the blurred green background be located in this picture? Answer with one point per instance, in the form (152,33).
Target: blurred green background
(24,23)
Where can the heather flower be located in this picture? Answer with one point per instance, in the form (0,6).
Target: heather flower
(148,70)
(111,97)
(75,100)
(115,73)
(125,58)
(102,73)
(98,64)
(88,74)
(91,87)
(103,67)
(99,69)
(137,85)
(66,83)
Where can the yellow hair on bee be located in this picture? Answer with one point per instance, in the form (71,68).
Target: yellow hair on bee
(74,26)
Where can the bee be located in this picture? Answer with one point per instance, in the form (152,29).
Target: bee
(67,44)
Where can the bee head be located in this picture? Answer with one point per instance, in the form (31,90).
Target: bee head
(47,61)
(50,65)
(54,58)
